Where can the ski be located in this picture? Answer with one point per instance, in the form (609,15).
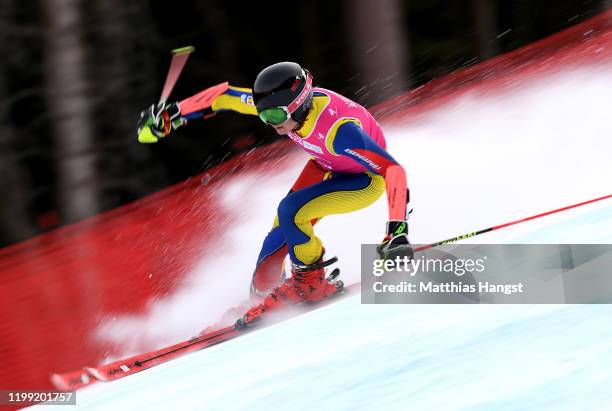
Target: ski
(129,366)
(122,368)
(88,375)
(71,381)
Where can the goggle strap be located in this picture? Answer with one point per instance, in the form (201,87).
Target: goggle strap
(302,96)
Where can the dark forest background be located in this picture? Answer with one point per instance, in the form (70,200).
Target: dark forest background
(75,74)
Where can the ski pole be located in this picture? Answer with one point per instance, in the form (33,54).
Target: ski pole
(179,58)
(522,220)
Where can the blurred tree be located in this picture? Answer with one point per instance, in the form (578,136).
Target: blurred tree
(309,17)
(15,222)
(443,37)
(485,17)
(70,107)
(225,53)
(378,44)
(120,77)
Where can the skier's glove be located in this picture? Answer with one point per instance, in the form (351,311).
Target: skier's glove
(158,121)
(396,242)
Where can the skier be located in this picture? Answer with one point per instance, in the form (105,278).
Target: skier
(348,169)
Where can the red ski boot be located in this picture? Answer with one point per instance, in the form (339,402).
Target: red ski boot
(307,284)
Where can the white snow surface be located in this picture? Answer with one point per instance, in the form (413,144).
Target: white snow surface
(476,162)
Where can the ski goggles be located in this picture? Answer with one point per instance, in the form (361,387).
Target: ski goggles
(275,115)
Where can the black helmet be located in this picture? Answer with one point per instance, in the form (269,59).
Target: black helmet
(284,84)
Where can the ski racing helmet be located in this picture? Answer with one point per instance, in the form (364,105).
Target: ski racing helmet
(283,90)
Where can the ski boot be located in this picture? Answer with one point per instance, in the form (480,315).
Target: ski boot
(306,285)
